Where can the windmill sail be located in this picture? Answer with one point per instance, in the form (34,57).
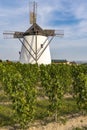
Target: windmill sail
(32,18)
(33,10)
(13,34)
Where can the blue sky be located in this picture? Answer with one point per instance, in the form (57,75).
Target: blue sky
(67,15)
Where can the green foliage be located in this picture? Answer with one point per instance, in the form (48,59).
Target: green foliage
(54,79)
(24,82)
(80,89)
(80,86)
(21,90)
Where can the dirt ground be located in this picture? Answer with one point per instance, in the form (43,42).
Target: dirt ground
(78,121)
(69,125)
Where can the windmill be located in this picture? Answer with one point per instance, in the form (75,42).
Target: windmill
(35,41)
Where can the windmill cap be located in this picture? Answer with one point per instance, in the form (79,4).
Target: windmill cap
(34,29)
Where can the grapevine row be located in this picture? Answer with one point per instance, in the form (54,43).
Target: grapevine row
(20,82)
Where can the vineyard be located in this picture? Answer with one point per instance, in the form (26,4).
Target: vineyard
(44,93)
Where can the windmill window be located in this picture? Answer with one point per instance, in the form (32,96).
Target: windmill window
(41,45)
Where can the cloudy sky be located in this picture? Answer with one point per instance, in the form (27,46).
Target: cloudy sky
(67,15)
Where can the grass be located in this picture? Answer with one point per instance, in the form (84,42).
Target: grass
(77,128)
(6,112)
(6,115)
(42,111)
(3,97)
(69,107)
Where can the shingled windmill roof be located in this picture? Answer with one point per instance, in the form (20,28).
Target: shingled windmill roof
(35,29)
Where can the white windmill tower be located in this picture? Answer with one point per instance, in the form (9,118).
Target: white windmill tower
(35,41)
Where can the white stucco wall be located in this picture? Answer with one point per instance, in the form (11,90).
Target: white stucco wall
(25,57)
